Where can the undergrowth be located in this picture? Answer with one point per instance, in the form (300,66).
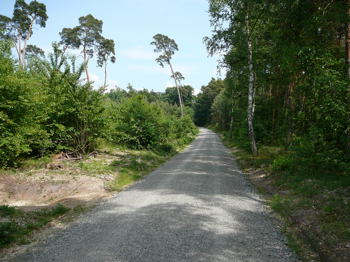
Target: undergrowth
(313,201)
(17,225)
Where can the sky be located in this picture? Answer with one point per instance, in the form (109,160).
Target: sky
(132,24)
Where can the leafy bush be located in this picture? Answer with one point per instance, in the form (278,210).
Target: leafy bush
(139,124)
(22,113)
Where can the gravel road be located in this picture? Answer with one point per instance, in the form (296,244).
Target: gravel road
(196,207)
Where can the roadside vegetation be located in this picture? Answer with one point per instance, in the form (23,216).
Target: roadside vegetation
(313,209)
(17,225)
(65,142)
(284,106)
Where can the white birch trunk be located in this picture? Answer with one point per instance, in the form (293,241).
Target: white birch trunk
(251,91)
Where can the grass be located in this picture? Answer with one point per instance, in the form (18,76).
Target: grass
(124,166)
(134,166)
(97,167)
(35,163)
(16,225)
(314,206)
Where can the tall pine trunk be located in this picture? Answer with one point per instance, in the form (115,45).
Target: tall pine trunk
(251,91)
(105,82)
(86,61)
(178,90)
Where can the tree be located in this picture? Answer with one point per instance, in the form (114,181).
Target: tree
(106,52)
(19,28)
(34,51)
(179,77)
(205,100)
(86,36)
(23,110)
(251,85)
(186,94)
(233,25)
(167,47)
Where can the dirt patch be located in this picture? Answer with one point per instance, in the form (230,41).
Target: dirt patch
(42,190)
(62,180)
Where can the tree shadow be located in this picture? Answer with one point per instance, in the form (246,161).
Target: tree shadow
(162,232)
(196,207)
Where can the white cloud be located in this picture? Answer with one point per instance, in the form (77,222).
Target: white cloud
(98,82)
(138,53)
(111,84)
(95,78)
(196,91)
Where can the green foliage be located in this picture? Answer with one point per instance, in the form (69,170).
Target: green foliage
(205,100)
(49,108)
(301,86)
(172,97)
(166,47)
(85,35)
(139,124)
(8,231)
(20,224)
(135,165)
(106,51)
(74,111)
(22,114)
(6,211)
(19,28)
(280,205)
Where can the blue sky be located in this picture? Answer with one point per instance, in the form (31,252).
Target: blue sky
(132,24)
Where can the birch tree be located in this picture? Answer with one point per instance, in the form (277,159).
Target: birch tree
(251,87)
(232,33)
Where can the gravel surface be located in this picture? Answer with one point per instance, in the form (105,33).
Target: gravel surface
(196,207)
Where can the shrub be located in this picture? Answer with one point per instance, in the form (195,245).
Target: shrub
(139,124)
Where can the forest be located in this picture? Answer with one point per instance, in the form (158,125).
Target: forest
(287,80)
(283,102)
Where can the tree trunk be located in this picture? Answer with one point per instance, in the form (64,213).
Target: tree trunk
(18,49)
(105,82)
(231,116)
(251,91)
(178,89)
(86,61)
(347,59)
(181,96)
